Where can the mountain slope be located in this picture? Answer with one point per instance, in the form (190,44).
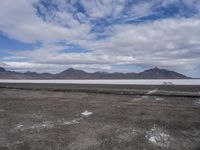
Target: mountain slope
(71,73)
(157,73)
(2,69)
(4,74)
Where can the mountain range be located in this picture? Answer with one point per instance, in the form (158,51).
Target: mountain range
(71,73)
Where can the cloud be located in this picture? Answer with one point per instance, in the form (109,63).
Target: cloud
(103,8)
(154,43)
(19,21)
(109,32)
(53,68)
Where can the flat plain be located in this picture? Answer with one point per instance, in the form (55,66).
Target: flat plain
(99,117)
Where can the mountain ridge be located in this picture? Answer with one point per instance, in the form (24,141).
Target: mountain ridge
(71,73)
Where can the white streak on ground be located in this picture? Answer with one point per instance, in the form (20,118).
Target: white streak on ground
(38,126)
(86,113)
(70,122)
(19,126)
(46,124)
(152,91)
(51,124)
(158,99)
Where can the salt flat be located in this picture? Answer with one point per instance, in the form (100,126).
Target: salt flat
(113,82)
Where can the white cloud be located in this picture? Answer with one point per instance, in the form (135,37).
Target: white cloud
(103,8)
(169,42)
(19,21)
(53,68)
(155,43)
(152,44)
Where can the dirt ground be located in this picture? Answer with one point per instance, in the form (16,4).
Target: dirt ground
(63,120)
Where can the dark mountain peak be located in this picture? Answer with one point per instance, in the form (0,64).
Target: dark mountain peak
(71,73)
(101,72)
(157,73)
(2,69)
(71,69)
(156,68)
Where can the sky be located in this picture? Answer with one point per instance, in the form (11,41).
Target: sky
(100,35)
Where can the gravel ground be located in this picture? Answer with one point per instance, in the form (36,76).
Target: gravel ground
(63,120)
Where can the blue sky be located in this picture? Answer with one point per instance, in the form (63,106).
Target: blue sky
(100,35)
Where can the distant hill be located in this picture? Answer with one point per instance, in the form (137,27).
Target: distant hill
(72,73)
(2,69)
(4,74)
(157,73)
